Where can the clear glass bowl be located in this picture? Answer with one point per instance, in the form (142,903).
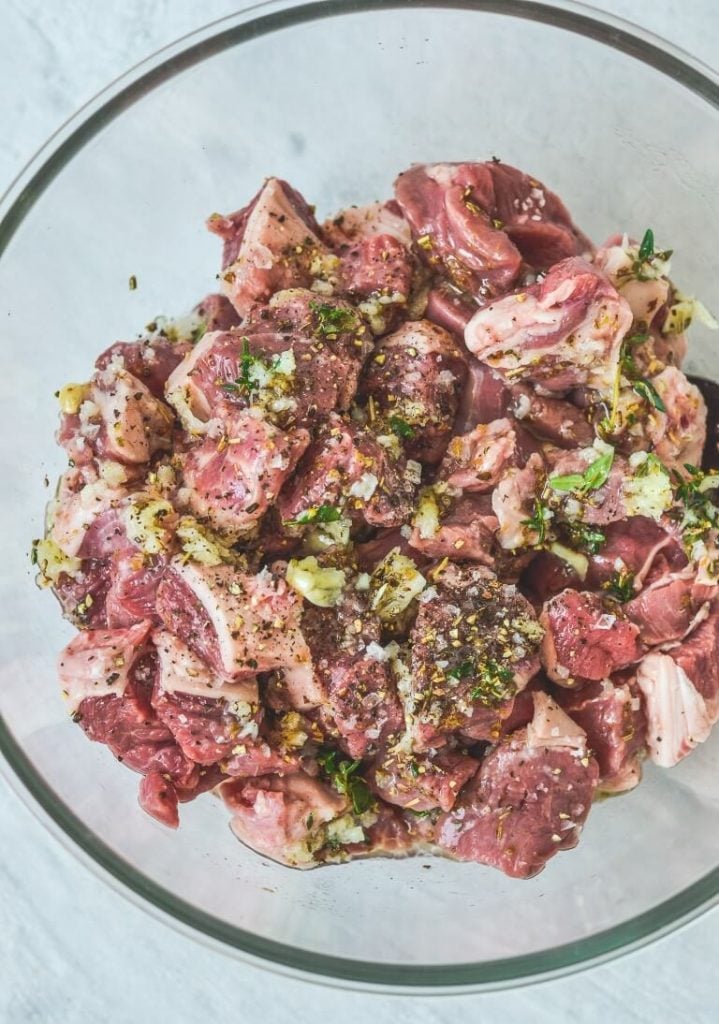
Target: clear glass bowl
(338,97)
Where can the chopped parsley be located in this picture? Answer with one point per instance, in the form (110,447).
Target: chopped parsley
(584,537)
(343,776)
(593,477)
(646,248)
(461,671)
(245,384)
(317,514)
(648,264)
(538,520)
(401,428)
(620,585)
(696,512)
(495,683)
(332,320)
(646,390)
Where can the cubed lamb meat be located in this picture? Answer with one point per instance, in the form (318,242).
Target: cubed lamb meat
(361,709)
(678,432)
(670,606)
(151,360)
(357,222)
(601,505)
(477,221)
(348,468)
(681,693)
(231,482)
(297,359)
(475,461)
(645,293)
(449,308)
(132,593)
(216,313)
(118,419)
(371,552)
(611,715)
(562,333)
(529,799)
(238,624)
(271,244)
(473,647)
(631,546)
(452,525)
(550,419)
(85,519)
(514,503)
(98,662)
(586,637)
(414,378)
(422,782)
(485,397)
(284,817)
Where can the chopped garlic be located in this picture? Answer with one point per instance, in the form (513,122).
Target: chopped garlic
(144,523)
(113,473)
(395,583)
(365,487)
(72,396)
(51,560)
(327,535)
(649,494)
(345,830)
(200,544)
(684,311)
(578,561)
(426,518)
(320,586)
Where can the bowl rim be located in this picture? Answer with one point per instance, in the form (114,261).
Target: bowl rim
(250,23)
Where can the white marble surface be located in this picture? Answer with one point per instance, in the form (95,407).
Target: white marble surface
(73,951)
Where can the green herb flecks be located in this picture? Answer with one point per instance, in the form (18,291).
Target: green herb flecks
(538,521)
(342,773)
(332,320)
(695,511)
(649,261)
(401,428)
(245,384)
(495,683)
(584,537)
(620,585)
(593,477)
(462,671)
(317,514)
(646,390)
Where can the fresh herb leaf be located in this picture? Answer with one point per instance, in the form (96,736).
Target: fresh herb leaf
(332,320)
(584,537)
(401,428)
(414,769)
(620,585)
(593,477)
(317,514)
(646,249)
(538,520)
(343,776)
(646,390)
(198,333)
(466,668)
(495,683)
(245,384)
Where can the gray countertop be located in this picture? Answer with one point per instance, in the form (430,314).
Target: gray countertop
(74,951)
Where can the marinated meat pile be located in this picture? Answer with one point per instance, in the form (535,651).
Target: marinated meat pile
(398,542)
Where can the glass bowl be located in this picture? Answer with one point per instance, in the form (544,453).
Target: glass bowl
(338,97)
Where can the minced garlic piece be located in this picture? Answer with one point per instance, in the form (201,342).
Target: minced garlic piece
(395,583)
(144,523)
(426,518)
(320,586)
(72,396)
(202,545)
(51,560)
